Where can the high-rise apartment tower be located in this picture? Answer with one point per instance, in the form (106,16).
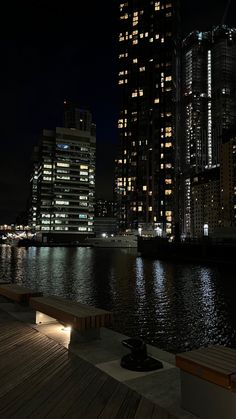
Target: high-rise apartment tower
(63,179)
(147,166)
(209,104)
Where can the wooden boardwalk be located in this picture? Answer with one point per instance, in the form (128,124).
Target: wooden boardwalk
(41,379)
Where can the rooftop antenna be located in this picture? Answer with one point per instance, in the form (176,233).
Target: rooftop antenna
(225,12)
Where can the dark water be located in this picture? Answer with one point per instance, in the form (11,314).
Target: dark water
(173,306)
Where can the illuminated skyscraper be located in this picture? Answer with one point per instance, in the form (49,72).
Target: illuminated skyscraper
(148,164)
(209,104)
(63,180)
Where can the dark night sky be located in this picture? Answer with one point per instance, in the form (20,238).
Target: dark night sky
(52,52)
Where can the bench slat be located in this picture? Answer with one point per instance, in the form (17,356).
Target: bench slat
(80,316)
(18,293)
(212,361)
(233,382)
(61,303)
(202,371)
(215,364)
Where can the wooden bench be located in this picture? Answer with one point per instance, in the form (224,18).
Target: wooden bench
(18,294)
(84,320)
(208,382)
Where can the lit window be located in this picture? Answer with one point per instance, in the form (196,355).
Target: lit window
(62,202)
(63,146)
(63,164)
(83,216)
(62,177)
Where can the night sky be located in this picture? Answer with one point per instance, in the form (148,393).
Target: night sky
(52,52)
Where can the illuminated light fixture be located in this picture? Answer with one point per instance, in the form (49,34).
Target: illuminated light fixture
(66,328)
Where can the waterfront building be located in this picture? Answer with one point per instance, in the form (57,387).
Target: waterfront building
(105,226)
(105,221)
(228,178)
(63,179)
(147,167)
(208,104)
(105,208)
(205,208)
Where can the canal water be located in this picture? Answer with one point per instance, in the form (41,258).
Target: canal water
(176,307)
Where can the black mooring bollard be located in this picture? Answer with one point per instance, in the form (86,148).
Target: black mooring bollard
(138,360)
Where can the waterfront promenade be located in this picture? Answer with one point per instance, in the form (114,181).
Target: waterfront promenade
(41,378)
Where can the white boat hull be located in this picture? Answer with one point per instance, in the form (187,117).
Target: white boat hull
(113,242)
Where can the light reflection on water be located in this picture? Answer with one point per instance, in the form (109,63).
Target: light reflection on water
(176,307)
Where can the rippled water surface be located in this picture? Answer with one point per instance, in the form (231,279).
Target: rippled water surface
(173,306)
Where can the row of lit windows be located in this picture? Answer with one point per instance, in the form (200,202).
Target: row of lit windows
(134,37)
(157,5)
(67,228)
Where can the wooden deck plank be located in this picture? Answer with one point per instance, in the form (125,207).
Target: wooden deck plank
(11,336)
(11,401)
(129,406)
(40,378)
(76,389)
(65,392)
(39,396)
(159,413)
(145,409)
(101,399)
(15,342)
(32,351)
(112,407)
(79,406)
(24,371)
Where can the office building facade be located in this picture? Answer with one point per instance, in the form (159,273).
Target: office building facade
(148,161)
(63,181)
